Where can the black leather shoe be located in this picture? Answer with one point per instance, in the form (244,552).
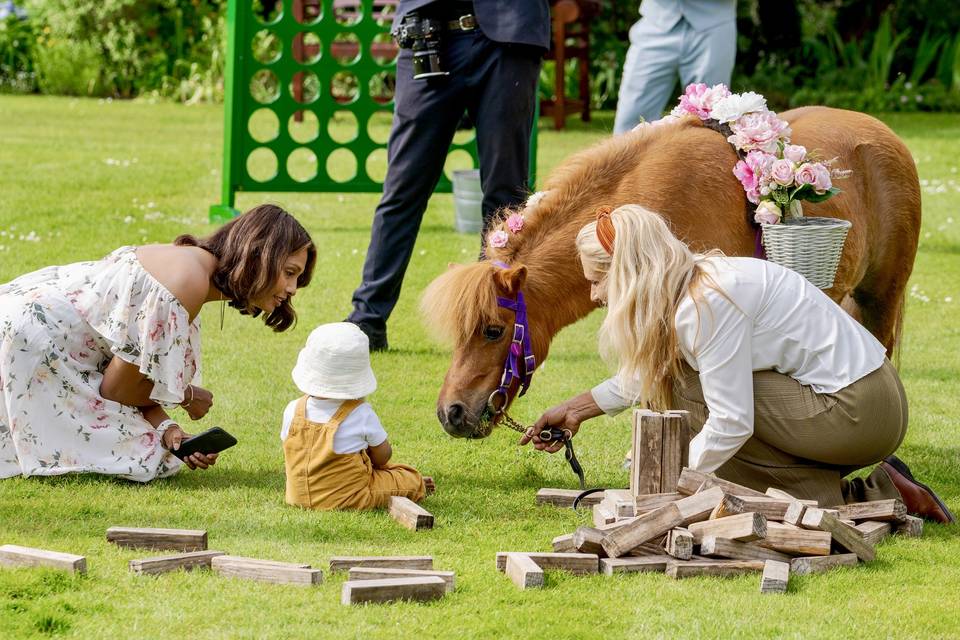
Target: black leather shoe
(376,335)
(920,499)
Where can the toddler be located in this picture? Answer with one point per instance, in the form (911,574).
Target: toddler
(335,450)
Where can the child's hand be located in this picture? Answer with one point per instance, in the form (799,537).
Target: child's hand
(429,485)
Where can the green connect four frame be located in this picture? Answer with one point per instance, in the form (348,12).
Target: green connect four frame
(309,99)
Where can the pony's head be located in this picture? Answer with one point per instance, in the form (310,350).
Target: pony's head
(461,307)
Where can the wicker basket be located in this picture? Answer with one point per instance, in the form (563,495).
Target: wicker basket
(809,246)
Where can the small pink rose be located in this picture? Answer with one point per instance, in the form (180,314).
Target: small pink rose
(498,239)
(782,172)
(767,213)
(806,174)
(795,153)
(515,222)
(822,182)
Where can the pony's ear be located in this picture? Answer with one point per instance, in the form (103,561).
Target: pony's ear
(510,280)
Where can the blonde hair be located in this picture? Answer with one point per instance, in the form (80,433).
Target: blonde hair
(648,275)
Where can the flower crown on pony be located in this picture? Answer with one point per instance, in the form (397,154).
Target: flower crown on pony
(775,174)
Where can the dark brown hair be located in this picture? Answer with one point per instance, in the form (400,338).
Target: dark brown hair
(251,251)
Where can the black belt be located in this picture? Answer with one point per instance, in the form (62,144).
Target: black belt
(466,22)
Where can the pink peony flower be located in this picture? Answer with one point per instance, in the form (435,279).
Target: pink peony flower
(795,153)
(781,171)
(759,130)
(498,239)
(698,99)
(767,213)
(751,184)
(754,174)
(515,222)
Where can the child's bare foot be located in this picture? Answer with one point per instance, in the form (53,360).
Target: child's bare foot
(429,484)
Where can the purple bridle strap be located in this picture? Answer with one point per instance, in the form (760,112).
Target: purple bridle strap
(520,363)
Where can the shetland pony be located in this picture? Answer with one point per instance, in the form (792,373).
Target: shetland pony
(684,172)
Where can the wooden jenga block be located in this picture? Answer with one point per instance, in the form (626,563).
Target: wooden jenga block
(673,447)
(692,481)
(742,527)
(794,513)
(383,573)
(410,514)
(563,544)
(387,590)
(873,531)
(523,571)
(771,508)
(295,565)
(565,497)
(275,572)
(796,542)
(713,547)
(13,555)
(776,574)
(911,526)
(655,564)
(780,494)
(720,568)
(646,458)
(699,506)
(148,538)
(621,501)
(575,563)
(603,513)
(819,564)
(342,563)
(651,501)
(882,510)
(588,540)
(679,544)
(843,534)
(164,564)
(618,542)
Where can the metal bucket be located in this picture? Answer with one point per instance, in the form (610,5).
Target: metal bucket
(467,201)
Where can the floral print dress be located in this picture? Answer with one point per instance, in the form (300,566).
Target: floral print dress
(59,328)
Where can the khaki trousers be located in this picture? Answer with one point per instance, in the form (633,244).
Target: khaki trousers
(805,442)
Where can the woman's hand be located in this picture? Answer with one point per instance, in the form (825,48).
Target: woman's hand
(566,416)
(197,401)
(172,438)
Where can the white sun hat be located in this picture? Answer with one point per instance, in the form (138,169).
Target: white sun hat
(335,363)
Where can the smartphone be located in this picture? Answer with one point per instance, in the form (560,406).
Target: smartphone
(210,441)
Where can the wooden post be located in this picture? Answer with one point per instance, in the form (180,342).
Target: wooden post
(13,555)
(776,574)
(410,514)
(390,589)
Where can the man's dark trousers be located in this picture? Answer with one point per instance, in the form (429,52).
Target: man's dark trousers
(496,84)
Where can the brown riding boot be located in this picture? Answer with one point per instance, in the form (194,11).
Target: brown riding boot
(919,499)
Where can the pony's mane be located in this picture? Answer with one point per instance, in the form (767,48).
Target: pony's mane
(459,300)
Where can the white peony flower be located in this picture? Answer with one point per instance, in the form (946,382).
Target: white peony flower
(733,106)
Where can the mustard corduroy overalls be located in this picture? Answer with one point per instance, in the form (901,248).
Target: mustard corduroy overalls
(318,478)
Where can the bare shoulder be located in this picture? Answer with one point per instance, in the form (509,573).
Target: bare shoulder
(183,271)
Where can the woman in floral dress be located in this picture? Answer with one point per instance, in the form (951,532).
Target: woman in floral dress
(93,354)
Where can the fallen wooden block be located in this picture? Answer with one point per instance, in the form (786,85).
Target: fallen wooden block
(603,513)
(149,538)
(699,506)
(714,547)
(565,497)
(387,590)
(843,534)
(794,513)
(588,540)
(13,555)
(621,502)
(523,571)
(410,514)
(692,481)
(783,495)
(655,564)
(883,510)
(742,527)
(819,564)
(679,543)
(770,508)
(796,542)
(576,563)
(164,564)
(722,568)
(912,526)
(384,573)
(295,565)
(265,571)
(651,501)
(776,574)
(618,542)
(564,544)
(874,531)
(342,563)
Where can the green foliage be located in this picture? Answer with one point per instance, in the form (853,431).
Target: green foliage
(17,44)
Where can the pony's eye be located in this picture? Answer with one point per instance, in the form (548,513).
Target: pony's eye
(492,333)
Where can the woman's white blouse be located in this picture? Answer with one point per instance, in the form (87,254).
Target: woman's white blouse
(769,318)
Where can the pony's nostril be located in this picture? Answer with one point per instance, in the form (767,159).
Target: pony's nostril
(455,414)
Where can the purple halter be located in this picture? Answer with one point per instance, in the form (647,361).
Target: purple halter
(520,351)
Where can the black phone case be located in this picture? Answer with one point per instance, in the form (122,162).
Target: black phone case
(210,441)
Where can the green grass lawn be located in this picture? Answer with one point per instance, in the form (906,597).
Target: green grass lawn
(79,178)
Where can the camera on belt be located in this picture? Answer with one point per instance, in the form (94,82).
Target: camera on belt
(421,34)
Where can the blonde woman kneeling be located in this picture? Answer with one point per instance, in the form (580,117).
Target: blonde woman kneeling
(785,388)
(335,450)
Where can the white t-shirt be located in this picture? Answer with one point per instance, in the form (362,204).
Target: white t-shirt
(360,429)
(776,321)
